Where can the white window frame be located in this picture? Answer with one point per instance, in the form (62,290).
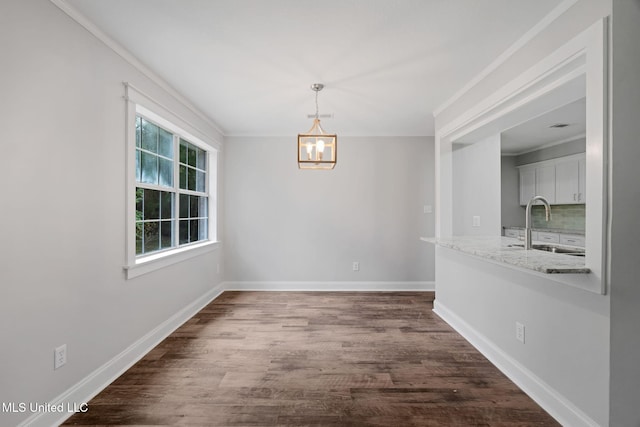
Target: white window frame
(138,103)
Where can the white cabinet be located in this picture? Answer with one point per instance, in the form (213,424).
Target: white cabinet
(546,182)
(537,180)
(527,184)
(548,237)
(572,239)
(570,180)
(512,232)
(582,179)
(561,181)
(518,233)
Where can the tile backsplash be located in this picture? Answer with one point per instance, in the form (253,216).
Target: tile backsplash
(566,217)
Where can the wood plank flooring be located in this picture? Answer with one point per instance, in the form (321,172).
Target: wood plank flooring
(314,359)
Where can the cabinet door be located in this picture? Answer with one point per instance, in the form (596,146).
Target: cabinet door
(509,232)
(544,236)
(546,182)
(582,180)
(567,182)
(527,184)
(572,239)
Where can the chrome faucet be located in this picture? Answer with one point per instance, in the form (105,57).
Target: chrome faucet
(527,226)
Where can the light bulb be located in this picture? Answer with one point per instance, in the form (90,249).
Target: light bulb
(319,148)
(309,150)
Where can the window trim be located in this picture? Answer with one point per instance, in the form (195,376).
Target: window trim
(138,103)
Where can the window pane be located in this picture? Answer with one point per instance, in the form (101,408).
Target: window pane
(166,234)
(184,232)
(139,234)
(138,166)
(191,179)
(138,131)
(139,204)
(183,177)
(200,181)
(202,160)
(149,136)
(184,206)
(149,168)
(166,205)
(183,152)
(139,217)
(165,143)
(151,236)
(202,228)
(193,230)
(193,203)
(192,156)
(203,206)
(151,204)
(166,172)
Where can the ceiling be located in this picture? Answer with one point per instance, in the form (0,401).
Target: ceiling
(539,131)
(248,64)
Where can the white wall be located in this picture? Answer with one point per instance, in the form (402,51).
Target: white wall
(289,225)
(476,188)
(625,199)
(512,214)
(565,149)
(62,170)
(569,352)
(566,331)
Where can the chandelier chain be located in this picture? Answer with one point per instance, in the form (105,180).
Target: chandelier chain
(316,104)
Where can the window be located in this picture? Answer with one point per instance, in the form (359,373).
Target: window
(162,202)
(171,187)
(193,197)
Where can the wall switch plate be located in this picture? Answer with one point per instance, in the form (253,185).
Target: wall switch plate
(476,221)
(59,356)
(520,332)
(356,266)
(428,209)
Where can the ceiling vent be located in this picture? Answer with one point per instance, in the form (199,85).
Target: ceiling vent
(559,126)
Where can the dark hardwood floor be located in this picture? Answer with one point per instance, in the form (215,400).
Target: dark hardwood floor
(314,359)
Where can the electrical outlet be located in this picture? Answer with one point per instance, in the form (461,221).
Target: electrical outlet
(520,332)
(476,221)
(356,266)
(59,356)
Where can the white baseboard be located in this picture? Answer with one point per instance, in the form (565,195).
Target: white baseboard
(565,412)
(95,382)
(331,286)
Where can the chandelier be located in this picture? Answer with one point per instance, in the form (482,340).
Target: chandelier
(316,148)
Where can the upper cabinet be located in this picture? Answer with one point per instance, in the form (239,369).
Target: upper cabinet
(527,183)
(546,182)
(561,181)
(570,180)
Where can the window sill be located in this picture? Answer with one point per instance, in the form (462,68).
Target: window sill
(156,261)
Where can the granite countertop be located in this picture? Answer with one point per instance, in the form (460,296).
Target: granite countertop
(496,248)
(548,230)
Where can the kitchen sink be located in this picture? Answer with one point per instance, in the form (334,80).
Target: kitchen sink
(554,248)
